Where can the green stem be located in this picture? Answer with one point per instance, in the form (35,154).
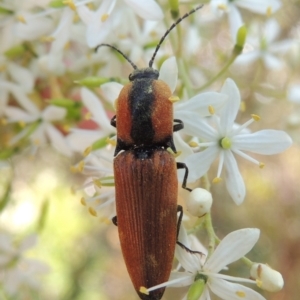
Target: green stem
(235,53)
(247,261)
(211,234)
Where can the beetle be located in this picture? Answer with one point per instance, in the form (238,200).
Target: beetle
(145,175)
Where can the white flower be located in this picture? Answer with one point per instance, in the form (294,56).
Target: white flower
(235,19)
(294,93)
(21,24)
(264,46)
(43,129)
(225,139)
(101,22)
(199,202)
(99,197)
(233,247)
(17,273)
(267,278)
(148,10)
(80,139)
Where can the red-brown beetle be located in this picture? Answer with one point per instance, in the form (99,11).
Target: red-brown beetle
(146,176)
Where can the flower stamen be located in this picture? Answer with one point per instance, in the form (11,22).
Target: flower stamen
(173,99)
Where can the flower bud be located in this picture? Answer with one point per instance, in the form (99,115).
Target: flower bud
(196,290)
(267,278)
(199,202)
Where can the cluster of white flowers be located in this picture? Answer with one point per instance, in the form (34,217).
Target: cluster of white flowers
(56,90)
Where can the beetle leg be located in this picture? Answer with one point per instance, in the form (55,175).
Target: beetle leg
(114,220)
(179,209)
(178,126)
(181,165)
(113,121)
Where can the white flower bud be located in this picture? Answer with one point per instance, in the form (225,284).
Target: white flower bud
(267,278)
(199,202)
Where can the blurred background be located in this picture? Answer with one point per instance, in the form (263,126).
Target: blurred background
(68,254)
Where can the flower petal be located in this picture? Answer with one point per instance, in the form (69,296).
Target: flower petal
(148,10)
(199,163)
(234,246)
(259,6)
(22,76)
(294,93)
(232,291)
(169,73)
(200,103)
(195,126)
(20,96)
(234,181)
(235,21)
(54,113)
(95,106)
(229,111)
(272,62)
(266,142)
(80,139)
(182,146)
(57,140)
(111,91)
(15,114)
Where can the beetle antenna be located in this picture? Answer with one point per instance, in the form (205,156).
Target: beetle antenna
(169,30)
(107,45)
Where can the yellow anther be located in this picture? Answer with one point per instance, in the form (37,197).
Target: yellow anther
(222,7)
(73,189)
(91,6)
(122,36)
(144,290)
(211,110)
(269,11)
(66,128)
(70,3)
(255,117)
(3,121)
(87,116)
(47,39)
(193,144)
(87,151)
(3,68)
(82,201)
(22,124)
(105,220)
(217,180)
(21,19)
(76,18)
(104,17)
(259,283)
(67,46)
(97,183)
(243,106)
(240,294)
(73,169)
(261,165)
(37,142)
(174,99)
(81,166)
(92,212)
(178,153)
(111,142)
(173,153)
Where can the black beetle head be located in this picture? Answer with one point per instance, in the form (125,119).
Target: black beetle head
(144,73)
